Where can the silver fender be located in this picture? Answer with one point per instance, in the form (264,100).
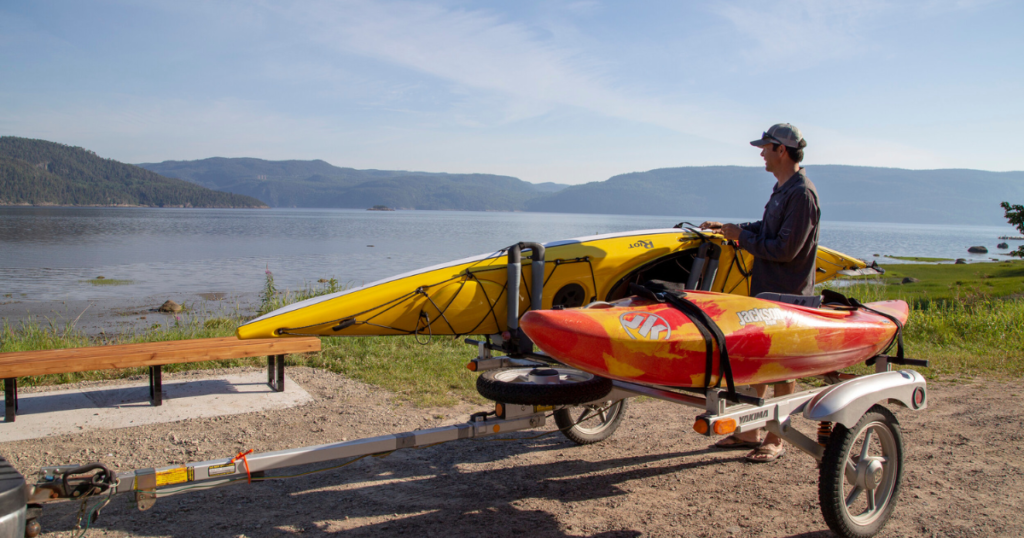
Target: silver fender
(846,402)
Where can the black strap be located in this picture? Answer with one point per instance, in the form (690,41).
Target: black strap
(709,330)
(838,300)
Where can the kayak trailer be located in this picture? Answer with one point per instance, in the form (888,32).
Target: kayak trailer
(859,444)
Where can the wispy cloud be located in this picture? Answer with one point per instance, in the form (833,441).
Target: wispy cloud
(808,32)
(802,33)
(520,69)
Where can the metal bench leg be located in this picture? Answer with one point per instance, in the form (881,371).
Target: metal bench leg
(275,372)
(10,399)
(280,374)
(156,389)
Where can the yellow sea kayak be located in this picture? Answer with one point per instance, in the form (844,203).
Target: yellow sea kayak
(468,296)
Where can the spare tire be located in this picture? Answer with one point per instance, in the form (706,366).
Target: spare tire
(542,386)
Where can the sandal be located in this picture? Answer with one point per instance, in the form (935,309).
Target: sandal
(766,453)
(733,443)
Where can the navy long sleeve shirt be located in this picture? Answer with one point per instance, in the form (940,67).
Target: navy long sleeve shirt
(785,241)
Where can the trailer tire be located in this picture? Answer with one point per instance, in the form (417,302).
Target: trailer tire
(542,386)
(859,483)
(590,424)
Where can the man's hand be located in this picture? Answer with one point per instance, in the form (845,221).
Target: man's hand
(710,225)
(731,232)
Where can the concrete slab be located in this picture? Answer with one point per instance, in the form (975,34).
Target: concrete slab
(44,414)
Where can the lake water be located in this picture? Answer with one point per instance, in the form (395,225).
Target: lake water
(50,254)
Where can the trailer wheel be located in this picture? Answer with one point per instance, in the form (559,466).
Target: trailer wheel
(589,424)
(542,386)
(861,473)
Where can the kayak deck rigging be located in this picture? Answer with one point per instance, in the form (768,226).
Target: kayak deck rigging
(426,328)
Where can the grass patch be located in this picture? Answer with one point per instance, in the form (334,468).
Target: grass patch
(430,374)
(946,283)
(107,282)
(919,259)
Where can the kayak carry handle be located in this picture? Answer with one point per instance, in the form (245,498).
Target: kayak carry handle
(345,323)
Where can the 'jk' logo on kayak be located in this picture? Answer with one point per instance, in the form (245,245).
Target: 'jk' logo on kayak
(644,325)
(642,244)
(768,316)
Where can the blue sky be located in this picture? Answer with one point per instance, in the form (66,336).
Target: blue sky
(564,91)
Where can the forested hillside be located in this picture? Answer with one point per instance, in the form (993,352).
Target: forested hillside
(38,172)
(319,184)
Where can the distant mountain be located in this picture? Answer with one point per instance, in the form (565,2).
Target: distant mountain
(550,187)
(38,172)
(847,193)
(319,184)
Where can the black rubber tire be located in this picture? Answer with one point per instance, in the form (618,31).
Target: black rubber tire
(591,429)
(832,480)
(495,385)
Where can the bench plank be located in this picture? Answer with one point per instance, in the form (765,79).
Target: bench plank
(54,361)
(152,354)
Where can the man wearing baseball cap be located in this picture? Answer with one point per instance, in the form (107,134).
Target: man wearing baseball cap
(784,244)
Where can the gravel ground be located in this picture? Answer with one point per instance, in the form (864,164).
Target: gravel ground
(654,477)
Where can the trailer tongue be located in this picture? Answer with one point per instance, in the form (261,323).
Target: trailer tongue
(859,445)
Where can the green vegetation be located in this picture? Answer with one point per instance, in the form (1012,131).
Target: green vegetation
(271,299)
(429,374)
(37,172)
(1015,215)
(919,259)
(945,283)
(108,282)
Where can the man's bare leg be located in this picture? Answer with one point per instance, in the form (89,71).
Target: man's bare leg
(772,444)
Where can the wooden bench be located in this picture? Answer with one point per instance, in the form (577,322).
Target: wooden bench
(153,354)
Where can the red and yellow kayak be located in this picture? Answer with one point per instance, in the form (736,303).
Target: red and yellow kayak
(642,341)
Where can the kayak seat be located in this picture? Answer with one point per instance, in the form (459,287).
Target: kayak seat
(809,301)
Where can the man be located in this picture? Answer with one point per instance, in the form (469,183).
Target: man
(784,244)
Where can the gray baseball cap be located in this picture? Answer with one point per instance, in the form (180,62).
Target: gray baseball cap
(781,133)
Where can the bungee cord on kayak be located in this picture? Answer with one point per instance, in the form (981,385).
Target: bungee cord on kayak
(466,276)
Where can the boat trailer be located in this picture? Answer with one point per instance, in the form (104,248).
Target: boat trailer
(859,444)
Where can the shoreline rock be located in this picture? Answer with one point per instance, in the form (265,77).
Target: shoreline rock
(170,307)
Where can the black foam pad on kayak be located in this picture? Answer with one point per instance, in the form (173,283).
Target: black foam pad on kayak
(810,301)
